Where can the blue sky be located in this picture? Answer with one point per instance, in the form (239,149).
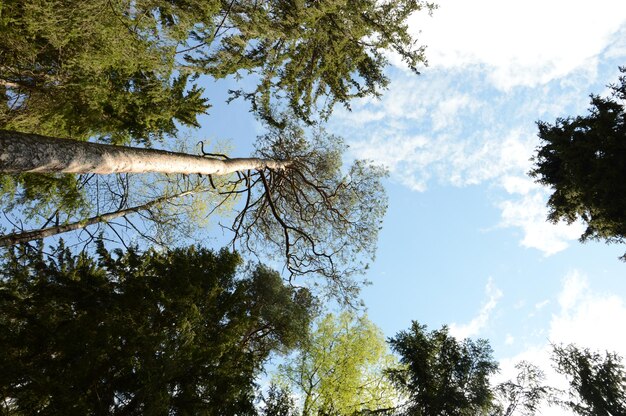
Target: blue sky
(465,241)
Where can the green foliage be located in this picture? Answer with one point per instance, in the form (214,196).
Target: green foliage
(176,220)
(140,333)
(442,376)
(86,70)
(301,208)
(39,195)
(170,208)
(583,159)
(302,50)
(127,71)
(339,371)
(101,68)
(91,69)
(597,383)
(106,69)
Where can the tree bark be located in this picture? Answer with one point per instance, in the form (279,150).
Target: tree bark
(22,152)
(26,236)
(8,84)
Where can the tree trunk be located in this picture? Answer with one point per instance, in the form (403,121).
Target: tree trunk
(26,236)
(8,84)
(21,152)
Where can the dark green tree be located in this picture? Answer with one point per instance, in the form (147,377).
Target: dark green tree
(97,69)
(597,382)
(177,332)
(85,70)
(128,70)
(440,375)
(583,160)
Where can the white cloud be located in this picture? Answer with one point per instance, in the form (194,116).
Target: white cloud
(529,212)
(514,184)
(414,160)
(574,286)
(364,116)
(498,155)
(449,155)
(519,43)
(617,48)
(450,126)
(479,322)
(406,158)
(447,110)
(588,319)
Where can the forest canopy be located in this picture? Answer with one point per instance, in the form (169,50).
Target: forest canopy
(128,70)
(185,331)
(135,72)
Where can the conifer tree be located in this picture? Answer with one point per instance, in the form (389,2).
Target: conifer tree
(597,381)
(179,332)
(583,160)
(441,375)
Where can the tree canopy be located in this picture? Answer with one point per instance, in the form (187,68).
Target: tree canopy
(583,160)
(318,216)
(176,332)
(440,375)
(278,401)
(339,370)
(129,71)
(597,381)
(302,51)
(99,69)
(121,69)
(298,205)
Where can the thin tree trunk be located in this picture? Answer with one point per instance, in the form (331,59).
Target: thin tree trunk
(23,237)
(8,84)
(21,152)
